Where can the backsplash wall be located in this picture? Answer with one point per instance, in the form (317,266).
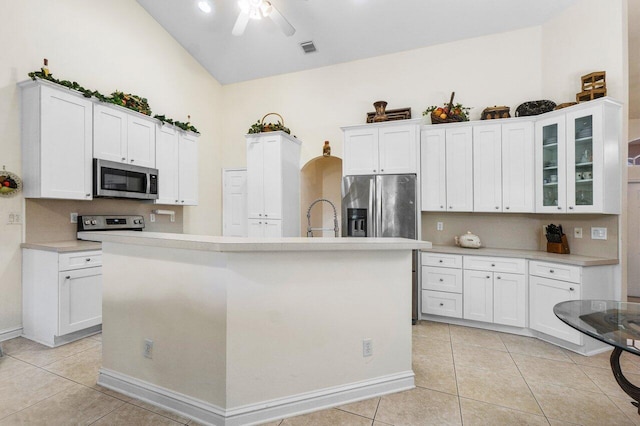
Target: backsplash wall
(48,220)
(523,231)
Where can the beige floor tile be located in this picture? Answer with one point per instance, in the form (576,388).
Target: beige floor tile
(19,344)
(476,337)
(76,405)
(577,406)
(97,337)
(276,423)
(553,372)
(419,407)
(10,367)
(366,408)
(532,347)
(327,417)
(628,362)
(482,414)
(112,393)
(435,374)
(81,368)
(21,391)
(495,387)
(160,411)
(129,414)
(487,359)
(604,379)
(624,404)
(41,355)
(425,347)
(432,330)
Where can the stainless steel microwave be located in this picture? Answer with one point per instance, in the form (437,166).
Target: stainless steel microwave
(113,179)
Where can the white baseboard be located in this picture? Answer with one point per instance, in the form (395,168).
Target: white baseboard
(261,412)
(10,333)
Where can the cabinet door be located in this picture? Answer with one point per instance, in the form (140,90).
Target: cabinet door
(360,152)
(255,228)
(433,170)
(442,279)
(442,303)
(255,178)
(510,299)
(518,191)
(398,149)
(585,161)
(487,168)
(544,294)
(551,182)
(167,165)
(273,228)
(109,134)
(65,157)
(188,169)
(478,296)
(141,141)
(272,177)
(459,169)
(80,299)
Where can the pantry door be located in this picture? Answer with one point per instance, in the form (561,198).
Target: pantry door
(234,203)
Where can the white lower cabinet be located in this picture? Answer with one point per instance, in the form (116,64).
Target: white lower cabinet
(264,228)
(442,303)
(478,296)
(442,284)
(61,295)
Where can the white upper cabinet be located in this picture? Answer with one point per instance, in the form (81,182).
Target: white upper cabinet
(578,161)
(388,148)
(433,169)
(123,136)
(56,142)
(459,168)
(518,189)
(487,168)
(177,164)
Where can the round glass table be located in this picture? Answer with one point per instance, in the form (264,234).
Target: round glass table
(611,322)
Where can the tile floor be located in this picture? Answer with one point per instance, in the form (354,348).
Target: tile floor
(463,376)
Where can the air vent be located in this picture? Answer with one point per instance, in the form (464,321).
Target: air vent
(308,47)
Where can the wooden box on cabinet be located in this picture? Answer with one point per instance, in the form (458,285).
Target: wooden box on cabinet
(61,295)
(56,133)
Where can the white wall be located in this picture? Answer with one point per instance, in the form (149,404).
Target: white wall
(106,46)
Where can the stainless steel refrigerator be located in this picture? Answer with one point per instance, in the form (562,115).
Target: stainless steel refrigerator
(382,206)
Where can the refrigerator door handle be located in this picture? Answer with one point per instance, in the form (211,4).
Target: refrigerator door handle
(378,207)
(371,225)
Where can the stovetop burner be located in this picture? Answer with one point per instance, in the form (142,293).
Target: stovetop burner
(110,223)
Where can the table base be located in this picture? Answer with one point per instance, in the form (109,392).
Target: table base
(629,388)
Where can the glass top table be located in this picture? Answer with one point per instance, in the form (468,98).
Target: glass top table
(612,322)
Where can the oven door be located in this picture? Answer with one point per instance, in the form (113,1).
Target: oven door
(113,179)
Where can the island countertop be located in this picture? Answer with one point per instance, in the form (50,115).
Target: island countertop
(238,244)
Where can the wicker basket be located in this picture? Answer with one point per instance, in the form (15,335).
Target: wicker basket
(451,118)
(272,127)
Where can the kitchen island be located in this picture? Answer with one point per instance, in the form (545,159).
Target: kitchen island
(244,330)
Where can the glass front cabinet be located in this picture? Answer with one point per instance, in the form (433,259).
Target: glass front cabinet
(578,160)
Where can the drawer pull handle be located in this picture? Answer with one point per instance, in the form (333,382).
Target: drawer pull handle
(571,289)
(441,280)
(498,277)
(440,260)
(488,277)
(441,304)
(68,277)
(551,271)
(88,259)
(493,265)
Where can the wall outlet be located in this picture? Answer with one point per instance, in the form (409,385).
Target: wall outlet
(14,219)
(73,217)
(577,232)
(147,350)
(439,226)
(367,347)
(598,233)
(152,217)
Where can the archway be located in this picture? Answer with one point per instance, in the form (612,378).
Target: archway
(320,178)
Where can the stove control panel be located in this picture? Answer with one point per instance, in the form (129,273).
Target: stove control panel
(112,222)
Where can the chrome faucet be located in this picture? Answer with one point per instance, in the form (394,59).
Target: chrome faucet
(335,219)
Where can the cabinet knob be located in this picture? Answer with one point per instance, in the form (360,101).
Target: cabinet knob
(442,207)
(441,304)
(374,170)
(132,160)
(559,208)
(177,201)
(260,214)
(493,265)
(124,159)
(88,259)
(450,207)
(571,289)
(570,207)
(382,170)
(440,260)
(87,195)
(259,223)
(498,277)
(507,207)
(551,271)
(497,208)
(488,277)
(182,201)
(266,215)
(441,280)
(68,277)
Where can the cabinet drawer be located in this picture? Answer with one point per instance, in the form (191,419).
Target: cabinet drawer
(79,259)
(495,264)
(442,279)
(556,271)
(444,260)
(441,303)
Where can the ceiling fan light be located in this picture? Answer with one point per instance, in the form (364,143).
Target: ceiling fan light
(244,5)
(204,6)
(265,8)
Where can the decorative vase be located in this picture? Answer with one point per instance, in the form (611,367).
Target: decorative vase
(380,113)
(326,149)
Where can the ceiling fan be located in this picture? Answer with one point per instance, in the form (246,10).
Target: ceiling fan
(258,9)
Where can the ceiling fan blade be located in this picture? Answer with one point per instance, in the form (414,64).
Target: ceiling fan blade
(241,24)
(280,21)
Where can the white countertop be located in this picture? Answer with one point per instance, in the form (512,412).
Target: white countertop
(64,246)
(237,244)
(570,259)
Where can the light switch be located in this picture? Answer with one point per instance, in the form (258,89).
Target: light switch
(598,233)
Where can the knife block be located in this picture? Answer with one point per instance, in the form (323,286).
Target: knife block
(561,248)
